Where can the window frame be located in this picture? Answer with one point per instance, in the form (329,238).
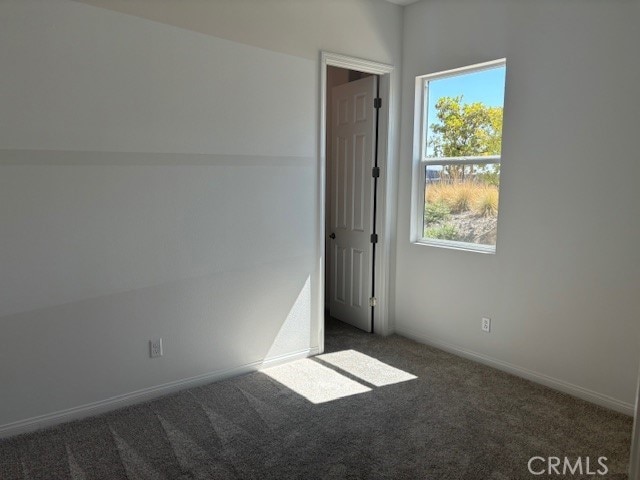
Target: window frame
(421,161)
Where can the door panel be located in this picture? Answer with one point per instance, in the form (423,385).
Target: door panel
(339,279)
(357,261)
(351,196)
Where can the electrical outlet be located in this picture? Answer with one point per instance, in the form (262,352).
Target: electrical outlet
(155,348)
(486,324)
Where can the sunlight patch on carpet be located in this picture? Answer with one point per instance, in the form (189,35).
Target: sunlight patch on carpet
(366,368)
(315,382)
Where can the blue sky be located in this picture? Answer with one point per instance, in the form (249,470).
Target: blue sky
(486,86)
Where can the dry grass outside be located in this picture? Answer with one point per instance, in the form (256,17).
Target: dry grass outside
(486,202)
(480,198)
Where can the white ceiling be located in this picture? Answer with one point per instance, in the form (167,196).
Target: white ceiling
(403,2)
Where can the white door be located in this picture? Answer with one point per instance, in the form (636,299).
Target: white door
(353,131)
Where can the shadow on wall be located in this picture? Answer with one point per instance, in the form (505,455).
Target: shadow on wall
(296,326)
(205,329)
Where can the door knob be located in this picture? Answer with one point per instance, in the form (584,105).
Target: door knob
(332,236)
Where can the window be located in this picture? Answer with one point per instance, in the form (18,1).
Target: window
(457,172)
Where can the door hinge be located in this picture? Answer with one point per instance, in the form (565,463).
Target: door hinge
(373,301)
(377,102)
(375,172)
(374,238)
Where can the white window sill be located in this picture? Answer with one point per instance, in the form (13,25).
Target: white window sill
(453,245)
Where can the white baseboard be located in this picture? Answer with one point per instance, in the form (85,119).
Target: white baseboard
(145,394)
(288,357)
(555,383)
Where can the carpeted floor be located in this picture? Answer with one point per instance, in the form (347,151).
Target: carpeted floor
(371,407)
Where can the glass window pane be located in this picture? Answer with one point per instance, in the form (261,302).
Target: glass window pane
(461,203)
(464,114)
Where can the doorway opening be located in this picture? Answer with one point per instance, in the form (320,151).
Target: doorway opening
(354,143)
(351,146)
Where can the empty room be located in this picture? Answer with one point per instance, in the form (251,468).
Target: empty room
(320,239)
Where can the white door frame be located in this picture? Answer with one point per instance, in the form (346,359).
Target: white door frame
(634,460)
(386,184)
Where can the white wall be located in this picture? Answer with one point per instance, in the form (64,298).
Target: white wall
(562,289)
(159,180)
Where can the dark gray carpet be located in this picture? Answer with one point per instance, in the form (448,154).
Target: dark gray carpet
(456,420)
